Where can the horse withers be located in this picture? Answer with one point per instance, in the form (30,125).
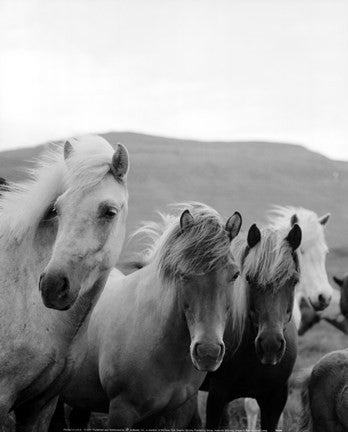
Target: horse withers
(61,232)
(154,334)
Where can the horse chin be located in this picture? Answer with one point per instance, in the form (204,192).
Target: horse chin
(270,358)
(271,361)
(206,365)
(56,305)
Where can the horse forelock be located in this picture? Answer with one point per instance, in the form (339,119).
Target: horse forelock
(202,248)
(272,262)
(269,264)
(89,162)
(22,205)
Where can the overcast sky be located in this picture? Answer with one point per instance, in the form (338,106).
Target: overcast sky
(247,69)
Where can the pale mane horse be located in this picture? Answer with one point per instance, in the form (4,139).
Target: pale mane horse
(154,334)
(313,287)
(61,232)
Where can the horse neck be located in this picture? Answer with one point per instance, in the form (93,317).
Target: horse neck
(165,298)
(25,259)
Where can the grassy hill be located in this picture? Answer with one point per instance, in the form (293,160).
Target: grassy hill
(244,176)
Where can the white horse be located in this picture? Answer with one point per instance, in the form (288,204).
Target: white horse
(61,233)
(313,286)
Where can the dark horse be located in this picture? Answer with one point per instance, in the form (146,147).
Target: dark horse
(262,363)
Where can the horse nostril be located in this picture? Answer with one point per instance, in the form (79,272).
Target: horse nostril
(222,350)
(281,347)
(42,275)
(321,298)
(64,285)
(195,350)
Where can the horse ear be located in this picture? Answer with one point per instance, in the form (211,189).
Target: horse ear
(233,225)
(3,183)
(294,237)
(186,220)
(324,219)
(254,236)
(68,149)
(338,281)
(294,219)
(120,162)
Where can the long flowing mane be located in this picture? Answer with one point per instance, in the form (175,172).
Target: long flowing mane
(23,205)
(270,263)
(201,249)
(312,230)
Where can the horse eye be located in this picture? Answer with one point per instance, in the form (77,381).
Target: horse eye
(51,213)
(109,212)
(235,276)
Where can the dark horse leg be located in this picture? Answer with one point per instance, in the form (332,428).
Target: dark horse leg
(34,417)
(272,405)
(216,403)
(79,418)
(58,423)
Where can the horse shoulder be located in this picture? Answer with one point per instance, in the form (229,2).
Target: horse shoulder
(112,331)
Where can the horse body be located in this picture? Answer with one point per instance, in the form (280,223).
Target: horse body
(127,363)
(35,340)
(153,334)
(325,395)
(30,328)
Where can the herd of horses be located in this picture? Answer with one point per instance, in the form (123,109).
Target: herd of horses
(206,308)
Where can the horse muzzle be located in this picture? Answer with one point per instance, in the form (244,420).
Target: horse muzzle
(207,357)
(55,290)
(270,349)
(321,303)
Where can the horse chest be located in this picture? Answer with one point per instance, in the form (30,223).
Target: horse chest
(50,375)
(242,374)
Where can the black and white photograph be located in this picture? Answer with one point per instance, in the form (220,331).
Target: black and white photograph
(173,215)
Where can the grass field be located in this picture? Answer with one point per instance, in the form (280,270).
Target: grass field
(248,177)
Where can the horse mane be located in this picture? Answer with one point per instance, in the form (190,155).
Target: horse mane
(198,250)
(308,220)
(271,263)
(23,205)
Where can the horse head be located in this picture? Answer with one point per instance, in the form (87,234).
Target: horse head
(90,213)
(271,273)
